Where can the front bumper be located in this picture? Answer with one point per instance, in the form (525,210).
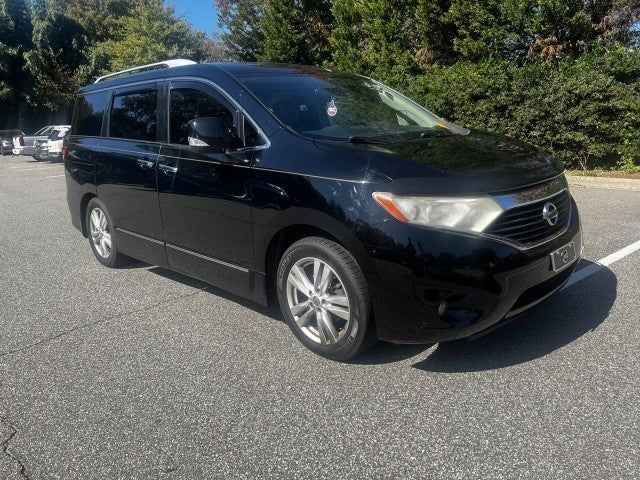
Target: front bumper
(481,280)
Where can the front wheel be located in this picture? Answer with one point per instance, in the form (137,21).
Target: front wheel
(102,235)
(324,298)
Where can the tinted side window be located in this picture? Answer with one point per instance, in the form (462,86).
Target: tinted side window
(133,115)
(87,114)
(188,104)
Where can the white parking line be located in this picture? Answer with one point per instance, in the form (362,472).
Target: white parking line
(54,176)
(600,264)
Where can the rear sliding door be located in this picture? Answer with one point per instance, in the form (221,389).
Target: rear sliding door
(126,172)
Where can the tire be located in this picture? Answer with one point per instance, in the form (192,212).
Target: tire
(100,237)
(310,313)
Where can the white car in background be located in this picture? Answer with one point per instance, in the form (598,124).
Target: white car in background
(55,143)
(23,144)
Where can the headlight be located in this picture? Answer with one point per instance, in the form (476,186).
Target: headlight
(465,214)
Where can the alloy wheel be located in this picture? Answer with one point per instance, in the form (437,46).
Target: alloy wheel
(318,301)
(100,232)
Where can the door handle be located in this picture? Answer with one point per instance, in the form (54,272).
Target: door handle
(167,169)
(144,163)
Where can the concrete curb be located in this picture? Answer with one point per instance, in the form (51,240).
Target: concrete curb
(604,182)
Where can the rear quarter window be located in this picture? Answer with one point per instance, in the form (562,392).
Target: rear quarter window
(88,114)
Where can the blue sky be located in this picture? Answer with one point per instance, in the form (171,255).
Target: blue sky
(200,13)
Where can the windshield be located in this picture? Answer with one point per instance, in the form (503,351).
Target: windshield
(342,106)
(58,134)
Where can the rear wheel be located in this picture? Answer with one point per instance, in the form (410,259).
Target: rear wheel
(101,235)
(324,298)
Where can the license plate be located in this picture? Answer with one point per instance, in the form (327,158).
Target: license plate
(563,257)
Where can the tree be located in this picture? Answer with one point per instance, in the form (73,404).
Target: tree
(240,19)
(282,28)
(377,37)
(348,38)
(99,18)
(153,33)
(57,59)
(516,29)
(317,18)
(15,41)
(434,33)
(296,31)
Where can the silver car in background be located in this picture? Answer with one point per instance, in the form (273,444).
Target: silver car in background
(40,150)
(6,139)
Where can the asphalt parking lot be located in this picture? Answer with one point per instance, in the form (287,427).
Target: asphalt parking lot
(143,373)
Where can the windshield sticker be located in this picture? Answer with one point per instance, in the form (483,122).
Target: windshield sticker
(332,110)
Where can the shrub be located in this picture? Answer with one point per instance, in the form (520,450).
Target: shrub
(585,110)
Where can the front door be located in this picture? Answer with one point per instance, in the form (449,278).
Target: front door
(126,172)
(205,195)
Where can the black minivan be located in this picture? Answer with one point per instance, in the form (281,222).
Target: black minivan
(365,215)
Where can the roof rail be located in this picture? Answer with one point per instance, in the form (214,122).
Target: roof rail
(143,68)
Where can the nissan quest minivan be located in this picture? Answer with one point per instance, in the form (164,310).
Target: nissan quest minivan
(364,215)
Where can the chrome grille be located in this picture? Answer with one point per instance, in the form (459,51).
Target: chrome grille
(525,225)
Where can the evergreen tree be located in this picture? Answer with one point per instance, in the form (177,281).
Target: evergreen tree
(282,27)
(240,19)
(515,29)
(348,38)
(434,33)
(317,18)
(296,31)
(377,37)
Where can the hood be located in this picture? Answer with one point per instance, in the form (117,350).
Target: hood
(475,163)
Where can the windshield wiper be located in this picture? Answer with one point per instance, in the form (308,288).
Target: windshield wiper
(357,139)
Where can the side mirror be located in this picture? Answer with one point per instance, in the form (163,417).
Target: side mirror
(211,132)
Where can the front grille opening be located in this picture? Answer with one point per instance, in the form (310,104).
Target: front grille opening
(525,225)
(535,293)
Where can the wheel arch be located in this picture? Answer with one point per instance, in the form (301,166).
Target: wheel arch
(84,201)
(288,235)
